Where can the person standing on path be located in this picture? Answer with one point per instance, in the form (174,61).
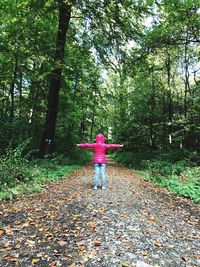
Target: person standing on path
(99,158)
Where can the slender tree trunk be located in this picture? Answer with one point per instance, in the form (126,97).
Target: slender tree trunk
(20,94)
(151,116)
(170,108)
(187,86)
(93,116)
(12,89)
(48,139)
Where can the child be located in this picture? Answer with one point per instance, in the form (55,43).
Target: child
(99,159)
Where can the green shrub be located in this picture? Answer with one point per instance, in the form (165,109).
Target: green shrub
(174,169)
(14,168)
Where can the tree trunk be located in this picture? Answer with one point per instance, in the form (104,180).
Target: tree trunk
(187,86)
(20,93)
(48,139)
(151,115)
(169,100)
(12,89)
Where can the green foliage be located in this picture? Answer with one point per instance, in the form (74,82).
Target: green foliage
(13,167)
(133,159)
(19,176)
(170,169)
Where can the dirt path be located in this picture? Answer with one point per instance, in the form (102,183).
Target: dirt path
(131,223)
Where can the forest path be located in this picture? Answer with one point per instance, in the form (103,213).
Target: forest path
(131,223)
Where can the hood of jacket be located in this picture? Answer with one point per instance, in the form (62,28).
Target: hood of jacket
(100,139)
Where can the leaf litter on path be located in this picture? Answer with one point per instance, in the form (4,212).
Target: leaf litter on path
(131,223)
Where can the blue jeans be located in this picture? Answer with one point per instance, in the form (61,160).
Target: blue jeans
(99,170)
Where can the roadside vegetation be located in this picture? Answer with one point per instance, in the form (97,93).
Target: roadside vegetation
(20,175)
(178,170)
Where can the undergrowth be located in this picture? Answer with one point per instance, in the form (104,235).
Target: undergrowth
(176,170)
(19,176)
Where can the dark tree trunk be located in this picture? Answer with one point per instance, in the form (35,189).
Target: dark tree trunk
(48,139)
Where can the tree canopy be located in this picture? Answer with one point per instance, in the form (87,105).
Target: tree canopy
(71,69)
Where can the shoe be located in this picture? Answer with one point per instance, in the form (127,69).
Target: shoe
(103,187)
(95,187)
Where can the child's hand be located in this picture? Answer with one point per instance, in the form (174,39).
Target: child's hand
(121,145)
(78,144)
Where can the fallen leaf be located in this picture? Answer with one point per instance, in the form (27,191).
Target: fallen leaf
(186,258)
(8,230)
(1,232)
(97,243)
(30,243)
(10,258)
(72,265)
(75,217)
(101,210)
(121,238)
(53,264)
(117,253)
(157,243)
(32,223)
(7,246)
(90,207)
(62,243)
(144,253)
(196,256)
(34,261)
(125,264)
(92,225)
(81,248)
(94,252)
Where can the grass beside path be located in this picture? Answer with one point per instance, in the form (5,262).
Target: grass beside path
(19,176)
(177,172)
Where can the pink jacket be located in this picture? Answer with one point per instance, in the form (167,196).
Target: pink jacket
(99,149)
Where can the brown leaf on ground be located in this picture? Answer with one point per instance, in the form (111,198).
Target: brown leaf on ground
(71,225)
(157,243)
(186,258)
(11,258)
(62,243)
(196,256)
(8,230)
(121,238)
(92,225)
(97,243)
(35,261)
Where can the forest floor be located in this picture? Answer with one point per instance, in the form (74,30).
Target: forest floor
(131,223)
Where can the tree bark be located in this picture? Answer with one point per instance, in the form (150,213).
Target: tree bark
(20,93)
(169,100)
(12,89)
(152,106)
(48,138)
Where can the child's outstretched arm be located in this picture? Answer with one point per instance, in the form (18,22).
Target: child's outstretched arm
(85,145)
(109,146)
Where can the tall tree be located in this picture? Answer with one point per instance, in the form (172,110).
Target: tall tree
(64,15)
